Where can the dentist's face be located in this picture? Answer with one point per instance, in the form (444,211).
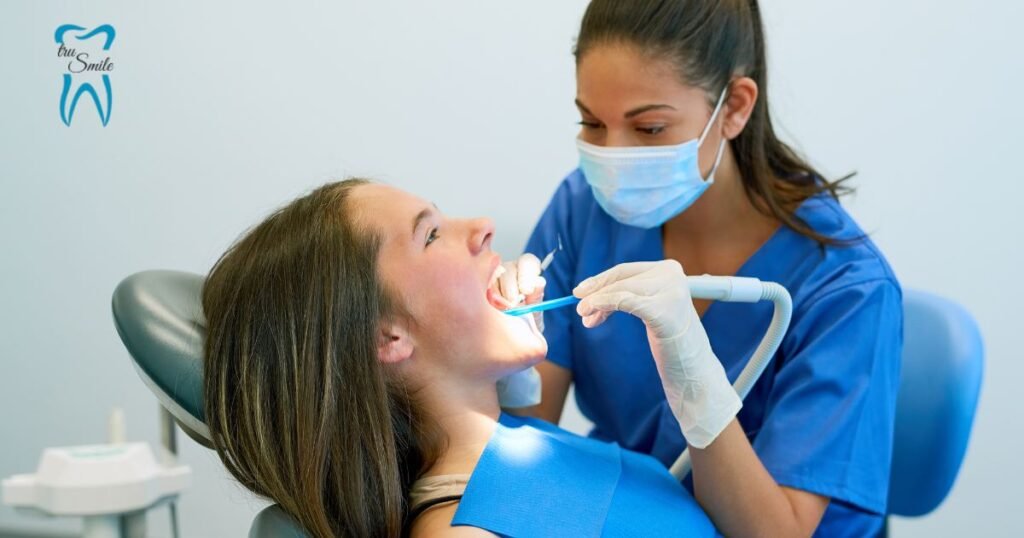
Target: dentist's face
(627,99)
(440,270)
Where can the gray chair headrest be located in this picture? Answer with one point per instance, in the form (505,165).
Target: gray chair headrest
(158,315)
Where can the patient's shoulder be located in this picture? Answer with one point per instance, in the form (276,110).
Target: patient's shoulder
(438,522)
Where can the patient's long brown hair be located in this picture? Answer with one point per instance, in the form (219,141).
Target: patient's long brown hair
(299,408)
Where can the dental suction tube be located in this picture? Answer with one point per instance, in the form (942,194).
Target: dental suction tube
(720,288)
(743,290)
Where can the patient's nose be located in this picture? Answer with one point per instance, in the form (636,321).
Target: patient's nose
(481,232)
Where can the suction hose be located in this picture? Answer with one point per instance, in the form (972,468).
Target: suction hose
(746,290)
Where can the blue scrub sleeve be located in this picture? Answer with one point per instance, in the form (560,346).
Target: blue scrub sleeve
(555,223)
(828,425)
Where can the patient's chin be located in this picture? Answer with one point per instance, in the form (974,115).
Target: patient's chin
(527,337)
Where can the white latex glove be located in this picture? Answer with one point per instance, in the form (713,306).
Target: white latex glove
(697,389)
(521,283)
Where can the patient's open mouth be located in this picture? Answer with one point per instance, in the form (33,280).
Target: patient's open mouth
(493,297)
(496,300)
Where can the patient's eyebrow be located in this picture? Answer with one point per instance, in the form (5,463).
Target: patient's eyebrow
(426,212)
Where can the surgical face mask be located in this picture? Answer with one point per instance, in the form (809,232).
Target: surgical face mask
(647,185)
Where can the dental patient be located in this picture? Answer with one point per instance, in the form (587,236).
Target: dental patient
(353,346)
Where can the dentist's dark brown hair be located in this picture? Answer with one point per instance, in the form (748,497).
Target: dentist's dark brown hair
(300,409)
(709,42)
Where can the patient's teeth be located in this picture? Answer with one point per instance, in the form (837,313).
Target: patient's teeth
(498,271)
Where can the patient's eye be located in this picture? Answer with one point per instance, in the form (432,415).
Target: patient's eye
(432,236)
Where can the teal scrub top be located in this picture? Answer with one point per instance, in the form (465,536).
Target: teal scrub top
(820,418)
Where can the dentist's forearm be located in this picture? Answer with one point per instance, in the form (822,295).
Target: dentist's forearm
(741,497)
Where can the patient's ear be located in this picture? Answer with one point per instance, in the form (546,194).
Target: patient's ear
(394,343)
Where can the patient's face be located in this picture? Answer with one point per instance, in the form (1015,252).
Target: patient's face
(441,269)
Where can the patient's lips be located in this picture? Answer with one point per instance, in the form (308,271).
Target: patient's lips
(493,297)
(496,300)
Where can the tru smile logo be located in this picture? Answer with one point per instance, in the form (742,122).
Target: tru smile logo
(84,63)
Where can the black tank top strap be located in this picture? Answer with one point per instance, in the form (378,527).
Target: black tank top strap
(427,505)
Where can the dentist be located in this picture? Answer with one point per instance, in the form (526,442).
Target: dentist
(681,170)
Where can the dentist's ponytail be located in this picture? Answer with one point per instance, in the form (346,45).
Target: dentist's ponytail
(710,42)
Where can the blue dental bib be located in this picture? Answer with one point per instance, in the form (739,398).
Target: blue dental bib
(534,479)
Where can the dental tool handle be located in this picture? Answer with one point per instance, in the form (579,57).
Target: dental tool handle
(769,291)
(543,305)
(732,289)
(547,261)
(551,255)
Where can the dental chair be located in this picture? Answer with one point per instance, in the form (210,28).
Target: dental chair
(159,317)
(943,360)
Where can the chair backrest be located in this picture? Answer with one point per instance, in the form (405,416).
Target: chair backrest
(158,315)
(943,359)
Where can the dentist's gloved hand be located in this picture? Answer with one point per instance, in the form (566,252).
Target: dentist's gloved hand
(520,283)
(698,391)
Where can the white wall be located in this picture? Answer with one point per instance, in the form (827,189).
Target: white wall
(224,110)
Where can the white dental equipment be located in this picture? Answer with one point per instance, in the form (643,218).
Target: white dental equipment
(109,486)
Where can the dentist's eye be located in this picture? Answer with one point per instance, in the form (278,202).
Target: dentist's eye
(657,129)
(432,236)
(589,124)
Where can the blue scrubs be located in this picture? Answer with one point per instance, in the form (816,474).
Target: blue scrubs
(820,418)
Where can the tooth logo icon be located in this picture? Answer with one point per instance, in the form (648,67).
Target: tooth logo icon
(79,64)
